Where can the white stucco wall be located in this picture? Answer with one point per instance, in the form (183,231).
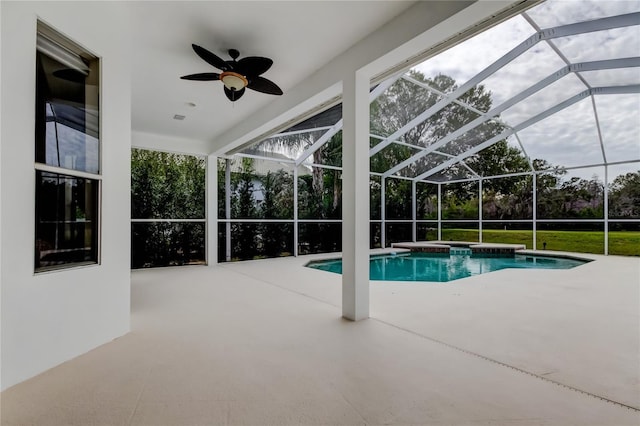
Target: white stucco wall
(51,317)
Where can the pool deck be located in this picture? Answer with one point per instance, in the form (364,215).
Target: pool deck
(262,343)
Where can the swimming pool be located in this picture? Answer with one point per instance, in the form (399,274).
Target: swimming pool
(443,268)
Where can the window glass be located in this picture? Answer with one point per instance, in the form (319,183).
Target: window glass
(67,124)
(66,220)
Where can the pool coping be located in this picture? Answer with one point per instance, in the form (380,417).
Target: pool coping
(484,248)
(559,255)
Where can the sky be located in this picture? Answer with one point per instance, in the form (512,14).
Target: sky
(570,137)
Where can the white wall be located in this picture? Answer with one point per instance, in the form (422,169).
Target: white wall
(51,317)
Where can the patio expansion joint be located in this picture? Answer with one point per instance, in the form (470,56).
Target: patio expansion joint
(139,396)
(503,364)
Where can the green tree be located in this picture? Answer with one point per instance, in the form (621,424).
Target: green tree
(294,144)
(404,101)
(277,203)
(323,188)
(624,196)
(332,155)
(166,186)
(499,158)
(243,206)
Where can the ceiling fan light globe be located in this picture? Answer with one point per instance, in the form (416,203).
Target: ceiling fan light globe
(233,81)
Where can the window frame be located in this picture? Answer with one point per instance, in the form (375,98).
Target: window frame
(68,46)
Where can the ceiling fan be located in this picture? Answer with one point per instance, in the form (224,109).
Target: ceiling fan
(236,74)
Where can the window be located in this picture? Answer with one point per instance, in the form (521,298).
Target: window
(67,154)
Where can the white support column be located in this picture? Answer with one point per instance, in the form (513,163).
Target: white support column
(211,194)
(534,176)
(383,212)
(227,208)
(355,197)
(606,178)
(439,212)
(414,214)
(606,210)
(295,211)
(480,210)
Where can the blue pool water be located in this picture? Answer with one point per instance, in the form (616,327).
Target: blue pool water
(443,268)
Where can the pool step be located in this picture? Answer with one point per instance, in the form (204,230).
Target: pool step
(458,250)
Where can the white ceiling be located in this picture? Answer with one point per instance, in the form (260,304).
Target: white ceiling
(299,36)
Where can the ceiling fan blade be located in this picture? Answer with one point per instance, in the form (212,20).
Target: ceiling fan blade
(211,58)
(233,95)
(253,65)
(203,76)
(261,84)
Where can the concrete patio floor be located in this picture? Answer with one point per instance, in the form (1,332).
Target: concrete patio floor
(262,343)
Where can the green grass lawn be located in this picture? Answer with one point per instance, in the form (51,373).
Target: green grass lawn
(626,243)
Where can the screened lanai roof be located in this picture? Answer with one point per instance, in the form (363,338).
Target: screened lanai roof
(561,83)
